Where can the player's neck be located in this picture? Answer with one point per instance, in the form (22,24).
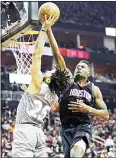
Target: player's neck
(46,82)
(82,82)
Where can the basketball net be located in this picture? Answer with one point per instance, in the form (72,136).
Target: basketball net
(22,52)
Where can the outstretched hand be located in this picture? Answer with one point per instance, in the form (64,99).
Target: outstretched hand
(78,106)
(47,23)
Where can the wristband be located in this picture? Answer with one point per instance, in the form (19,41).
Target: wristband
(43,30)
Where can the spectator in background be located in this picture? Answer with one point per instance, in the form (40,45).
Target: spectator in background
(6,125)
(109,143)
(3,86)
(14,86)
(49,141)
(111,153)
(3,18)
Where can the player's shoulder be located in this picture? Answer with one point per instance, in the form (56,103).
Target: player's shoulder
(97,90)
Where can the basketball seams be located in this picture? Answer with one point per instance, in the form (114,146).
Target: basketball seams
(43,11)
(55,9)
(48,8)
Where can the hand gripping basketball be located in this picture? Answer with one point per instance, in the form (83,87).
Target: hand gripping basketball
(47,23)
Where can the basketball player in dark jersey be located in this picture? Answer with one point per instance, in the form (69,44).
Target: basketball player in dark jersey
(76,106)
(76,110)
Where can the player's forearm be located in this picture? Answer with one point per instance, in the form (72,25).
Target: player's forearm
(36,57)
(55,50)
(40,42)
(99,113)
(52,41)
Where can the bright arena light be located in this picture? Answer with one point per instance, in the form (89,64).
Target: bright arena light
(110,31)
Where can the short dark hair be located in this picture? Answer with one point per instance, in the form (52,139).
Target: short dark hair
(60,80)
(86,62)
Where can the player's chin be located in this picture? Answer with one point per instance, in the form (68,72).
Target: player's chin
(78,74)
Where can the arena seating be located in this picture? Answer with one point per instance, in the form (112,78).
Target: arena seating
(86,14)
(95,14)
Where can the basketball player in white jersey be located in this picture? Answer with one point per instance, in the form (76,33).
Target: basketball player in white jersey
(38,99)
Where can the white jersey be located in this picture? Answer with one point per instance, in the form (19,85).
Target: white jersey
(34,107)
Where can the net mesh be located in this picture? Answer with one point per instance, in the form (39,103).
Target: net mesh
(22,52)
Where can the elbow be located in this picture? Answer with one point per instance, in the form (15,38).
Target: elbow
(55,110)
(106,116)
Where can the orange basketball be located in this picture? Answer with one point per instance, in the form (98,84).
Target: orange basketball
(48,9)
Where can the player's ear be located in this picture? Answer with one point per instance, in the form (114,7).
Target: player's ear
(48,80)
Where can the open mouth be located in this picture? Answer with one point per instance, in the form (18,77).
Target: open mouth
(78,71)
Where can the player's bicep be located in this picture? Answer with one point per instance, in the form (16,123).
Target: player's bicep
(100,103)
(36,63)
(99,99)
(35,71)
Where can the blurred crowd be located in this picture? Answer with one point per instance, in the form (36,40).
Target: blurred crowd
(105,77)
(86,14)
(97,49)
(103,144)
(95,14)
(100,50)
(107,131)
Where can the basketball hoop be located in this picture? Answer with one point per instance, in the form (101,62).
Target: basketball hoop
(22,52)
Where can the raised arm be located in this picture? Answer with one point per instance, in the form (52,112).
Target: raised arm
(37,78)
(55,50)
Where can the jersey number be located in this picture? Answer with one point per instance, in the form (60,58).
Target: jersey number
(38,112)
